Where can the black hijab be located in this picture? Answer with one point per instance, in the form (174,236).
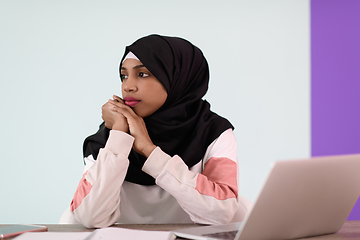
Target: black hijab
(184,125)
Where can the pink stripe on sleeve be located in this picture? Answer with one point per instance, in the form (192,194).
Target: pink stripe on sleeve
(219,179)
(81,192)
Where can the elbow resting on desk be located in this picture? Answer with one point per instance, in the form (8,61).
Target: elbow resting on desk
(222,215)
(96,219)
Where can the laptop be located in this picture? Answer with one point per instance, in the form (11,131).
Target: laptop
(300,198)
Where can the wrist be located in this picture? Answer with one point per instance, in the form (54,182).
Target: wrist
(147,150)
(120,127)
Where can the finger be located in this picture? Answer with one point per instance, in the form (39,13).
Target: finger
(124,110)
(120,105)
(129,111)
(117,98)
(116,102)
(119,109)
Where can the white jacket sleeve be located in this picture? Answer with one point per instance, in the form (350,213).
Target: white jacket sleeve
(97,197)
(209,197)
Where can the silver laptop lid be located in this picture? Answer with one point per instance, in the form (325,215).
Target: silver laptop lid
(303,198)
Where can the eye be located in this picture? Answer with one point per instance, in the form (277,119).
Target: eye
(143,75)
(123,76)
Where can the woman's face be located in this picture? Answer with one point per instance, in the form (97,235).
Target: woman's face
(140,88)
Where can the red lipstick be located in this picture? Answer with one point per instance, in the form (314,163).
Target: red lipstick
(130,101)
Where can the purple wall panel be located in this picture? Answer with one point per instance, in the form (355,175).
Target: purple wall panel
(335,79)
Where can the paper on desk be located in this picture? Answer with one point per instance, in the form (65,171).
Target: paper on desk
(126,234)
(53,236)
(100,234)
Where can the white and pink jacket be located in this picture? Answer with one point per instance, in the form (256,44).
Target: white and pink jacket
(206,193)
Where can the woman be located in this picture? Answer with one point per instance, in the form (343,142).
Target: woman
(161,155)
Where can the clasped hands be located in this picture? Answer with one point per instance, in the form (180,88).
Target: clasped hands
(118,116)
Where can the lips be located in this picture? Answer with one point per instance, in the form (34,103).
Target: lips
(130,101)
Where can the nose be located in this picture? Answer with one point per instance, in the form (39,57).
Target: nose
(130,85)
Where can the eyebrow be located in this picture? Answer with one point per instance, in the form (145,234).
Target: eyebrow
(136,67)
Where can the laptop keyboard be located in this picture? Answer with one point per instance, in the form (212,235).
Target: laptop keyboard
(223,235)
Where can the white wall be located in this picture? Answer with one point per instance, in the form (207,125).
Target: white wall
(59,64)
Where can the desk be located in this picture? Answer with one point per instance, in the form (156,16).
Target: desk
(350,230)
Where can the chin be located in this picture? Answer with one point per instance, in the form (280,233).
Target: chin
(139,113)
(142,114)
